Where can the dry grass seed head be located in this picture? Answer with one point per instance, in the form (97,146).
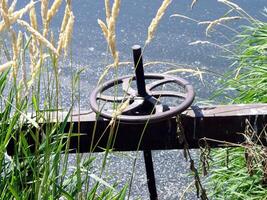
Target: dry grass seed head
(116,59)
(33,18)
(15,16)
(18,14)
(115,10)
(5,66)
(15,52)
(155,21)
(68,32)
(103,28)
(4,5)
(219,21)
(33,56)
(35,69)
(65,18)
(12,7)
(60,43)
(109,29)
(38,36)
(6,21)
(63,28)
(53,10)
(19,41)
(14,44)
(44,10)
(107,8)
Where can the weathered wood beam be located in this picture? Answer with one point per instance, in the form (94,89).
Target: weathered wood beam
(222,122)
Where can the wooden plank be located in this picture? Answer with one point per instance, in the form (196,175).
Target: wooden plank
(222,122)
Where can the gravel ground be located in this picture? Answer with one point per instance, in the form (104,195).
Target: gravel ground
(172,173)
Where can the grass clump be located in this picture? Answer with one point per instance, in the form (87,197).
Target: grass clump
(34,148)
(250,77)
(240,172)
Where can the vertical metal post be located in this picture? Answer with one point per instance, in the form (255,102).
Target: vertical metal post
(139,70)
(150,175)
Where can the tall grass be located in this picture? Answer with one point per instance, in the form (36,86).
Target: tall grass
(34,148)
(250,77)
(240,172)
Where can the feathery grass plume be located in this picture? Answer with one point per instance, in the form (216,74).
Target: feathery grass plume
(109,29)
(193,3)
(218,21)
(19,44)
(5,21)
(107,8)
(63,28)
(239,10)
(34,72)
(52,38)
(18,14)
(12,7)
(155,21)
(19,40)
(115,10)
(4,12)
(103,28)
(112,32)
(44,11)
(4,5)
(15,16)
(35,69)
(38,35)
(53,10)
(33,43)
(68,32)
(32,57)
(5,66)
(60,42)
(15,52)
(33,18)
(65,18)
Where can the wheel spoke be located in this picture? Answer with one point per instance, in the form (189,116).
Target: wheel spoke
(133,106)
(111,98)
(155,84)
(158,94)
(127,87)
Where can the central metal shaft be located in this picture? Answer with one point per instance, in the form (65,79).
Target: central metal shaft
(139,71)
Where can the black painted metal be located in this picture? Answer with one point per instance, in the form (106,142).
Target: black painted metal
(137,111)
(139,71)
(151,182)
(145,103)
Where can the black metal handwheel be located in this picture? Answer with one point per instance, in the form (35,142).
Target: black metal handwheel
(147,101)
